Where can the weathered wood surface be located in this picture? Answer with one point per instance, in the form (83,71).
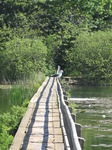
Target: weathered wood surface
(40,128)
(73,130)
(48,123)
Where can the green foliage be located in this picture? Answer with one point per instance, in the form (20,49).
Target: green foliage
(20,94)
(73,106)
(8,126)
(57,24)
(98,12)
(10,120)
(22,91)
(66,87)
(92,57)
(23,56)
(37,36)
(25,103)
(60,45)
(5,139)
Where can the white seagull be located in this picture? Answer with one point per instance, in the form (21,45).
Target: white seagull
(58,75)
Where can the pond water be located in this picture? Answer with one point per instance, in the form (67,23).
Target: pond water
(95,116)
(4,100)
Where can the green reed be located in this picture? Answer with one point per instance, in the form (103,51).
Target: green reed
(20,95)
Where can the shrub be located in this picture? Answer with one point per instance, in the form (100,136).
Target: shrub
(9,126)
(22,57)
(5,139)
(93,57)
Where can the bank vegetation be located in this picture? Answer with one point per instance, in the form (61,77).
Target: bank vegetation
(38,35)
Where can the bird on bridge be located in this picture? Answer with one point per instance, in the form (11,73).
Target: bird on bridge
(58,75)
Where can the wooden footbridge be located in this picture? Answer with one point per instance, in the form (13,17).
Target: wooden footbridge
(48,123)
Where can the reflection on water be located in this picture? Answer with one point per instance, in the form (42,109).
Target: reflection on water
(4,100)
(97,117)
(86,91)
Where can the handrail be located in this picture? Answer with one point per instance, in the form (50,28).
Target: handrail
(69,124)
(70,130)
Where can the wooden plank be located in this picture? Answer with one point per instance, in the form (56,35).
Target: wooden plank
(41,125)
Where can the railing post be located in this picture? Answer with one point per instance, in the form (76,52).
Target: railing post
(73,117)
(65,97)
(67,102)
(81,141)
(78,128)
(70,109)
(64,93)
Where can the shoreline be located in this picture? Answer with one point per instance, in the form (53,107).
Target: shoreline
(78,80)
(5,86)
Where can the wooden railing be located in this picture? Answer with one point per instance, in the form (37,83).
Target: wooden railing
(71,130)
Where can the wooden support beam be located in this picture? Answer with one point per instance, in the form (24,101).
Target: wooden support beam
(78,128)
(73,117)
(81,141)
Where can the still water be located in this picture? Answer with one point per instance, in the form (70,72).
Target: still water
(4,100)
(95,117)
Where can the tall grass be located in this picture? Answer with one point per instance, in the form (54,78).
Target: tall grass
(20,95)
(23,90)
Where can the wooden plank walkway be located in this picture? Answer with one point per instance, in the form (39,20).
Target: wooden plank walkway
(44,131)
